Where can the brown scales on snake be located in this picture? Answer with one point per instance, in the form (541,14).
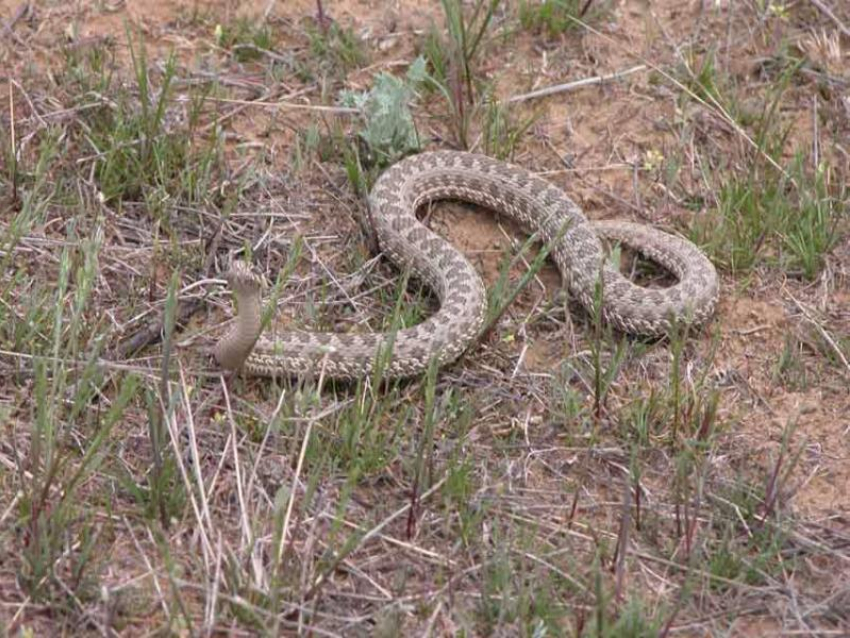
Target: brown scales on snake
(510,190)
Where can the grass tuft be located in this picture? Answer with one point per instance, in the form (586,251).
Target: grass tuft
(556,17)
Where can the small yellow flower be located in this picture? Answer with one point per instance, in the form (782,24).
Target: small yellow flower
(653,159)
(778,11)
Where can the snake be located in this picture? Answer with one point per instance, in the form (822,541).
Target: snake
(540,207)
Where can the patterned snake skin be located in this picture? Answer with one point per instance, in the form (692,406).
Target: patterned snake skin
(533,202)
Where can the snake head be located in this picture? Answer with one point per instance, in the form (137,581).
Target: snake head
(242,278)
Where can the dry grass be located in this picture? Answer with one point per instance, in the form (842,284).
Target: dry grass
(560,479)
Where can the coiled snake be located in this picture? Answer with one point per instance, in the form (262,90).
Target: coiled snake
(510,190)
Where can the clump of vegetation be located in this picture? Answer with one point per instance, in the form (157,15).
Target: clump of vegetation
(502,129)
(247,40)
(135,147)
(452,58)
(553,17)
(703,82)
(338,47)
(788,218)
(470,100)
(389,131)
(785,215)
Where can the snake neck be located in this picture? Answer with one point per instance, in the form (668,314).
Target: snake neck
(233,349)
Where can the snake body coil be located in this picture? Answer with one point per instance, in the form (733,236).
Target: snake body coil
(512,191)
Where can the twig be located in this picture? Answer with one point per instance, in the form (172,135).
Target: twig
(152,332)
(321,108)
(577,84)
(11,506)
(174,436)
(321,17)
(14,159)
(271,55)
(305,443)
(825,77)
(815,133)
(623,540)
(431,555)
(212,597)
(196,462)
(585,8)
(240,492)
(151,571)
(823,333)
(429,625)
(829,14)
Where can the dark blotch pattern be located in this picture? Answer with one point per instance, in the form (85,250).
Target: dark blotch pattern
(538,206)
